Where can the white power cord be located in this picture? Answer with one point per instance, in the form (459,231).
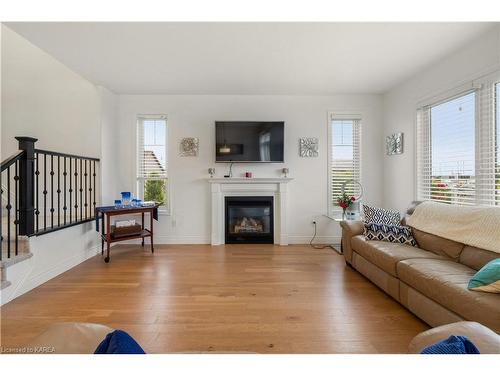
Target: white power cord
(319,247)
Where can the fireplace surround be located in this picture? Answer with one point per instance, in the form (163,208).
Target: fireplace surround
(249,219)
(221,188)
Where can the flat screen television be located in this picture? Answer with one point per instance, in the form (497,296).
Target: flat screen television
(249,141)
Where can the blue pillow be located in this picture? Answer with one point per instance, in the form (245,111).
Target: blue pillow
(119,342)
(390,233)
(487,279)
(452,345)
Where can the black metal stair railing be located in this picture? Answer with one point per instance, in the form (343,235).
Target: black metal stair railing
(43,191)
(9,193)
(69,190)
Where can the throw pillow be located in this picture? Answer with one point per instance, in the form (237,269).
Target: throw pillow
(389,233)
(381,215)
(119,342)
(452,345)
(487,279)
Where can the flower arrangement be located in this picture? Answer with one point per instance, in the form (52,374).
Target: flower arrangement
(345,201)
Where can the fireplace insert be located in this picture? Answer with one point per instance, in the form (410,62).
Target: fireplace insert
(249,220)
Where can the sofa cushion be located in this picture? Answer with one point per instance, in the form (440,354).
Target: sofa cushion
(438,245)
(386,255)
(445,282)
(476,258)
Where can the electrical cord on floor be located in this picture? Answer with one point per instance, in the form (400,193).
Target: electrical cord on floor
(319,247)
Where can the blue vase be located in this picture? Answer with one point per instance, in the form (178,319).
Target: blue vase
(126,198)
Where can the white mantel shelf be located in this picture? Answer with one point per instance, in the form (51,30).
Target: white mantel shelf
(246,180)
(255,186)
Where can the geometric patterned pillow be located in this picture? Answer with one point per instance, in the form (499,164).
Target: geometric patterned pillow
(381,215)
(389,233)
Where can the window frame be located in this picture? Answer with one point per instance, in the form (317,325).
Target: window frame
(140,180)
(333,211)
(484,123)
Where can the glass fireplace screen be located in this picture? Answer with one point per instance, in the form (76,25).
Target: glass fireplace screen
(249,220)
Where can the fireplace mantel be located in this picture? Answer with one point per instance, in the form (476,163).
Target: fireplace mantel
(258,186)
(245,180)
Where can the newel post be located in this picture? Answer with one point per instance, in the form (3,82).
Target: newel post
(26,186)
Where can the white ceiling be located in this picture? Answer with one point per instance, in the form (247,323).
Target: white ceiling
(248,58)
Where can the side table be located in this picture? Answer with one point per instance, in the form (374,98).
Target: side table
(106,212)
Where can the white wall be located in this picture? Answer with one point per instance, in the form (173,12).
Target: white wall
(109,143)
(53,254)
(194,116)
(44,99)
(399,108)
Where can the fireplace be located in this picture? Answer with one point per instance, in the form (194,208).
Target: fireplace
(249,220)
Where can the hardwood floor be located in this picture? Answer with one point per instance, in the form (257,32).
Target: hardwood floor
(245,298)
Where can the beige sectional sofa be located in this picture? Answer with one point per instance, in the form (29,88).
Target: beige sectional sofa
(430,280)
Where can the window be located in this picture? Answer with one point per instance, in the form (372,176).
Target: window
(152,176)
(344,159)
(457,149)
(497,144)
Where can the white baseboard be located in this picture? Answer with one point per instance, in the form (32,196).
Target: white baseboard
(182,240)
(300,240)
(27,281)
(61,267)
(200,240)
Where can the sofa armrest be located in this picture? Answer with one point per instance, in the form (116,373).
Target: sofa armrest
(487,341)
(350,228)
(70,338)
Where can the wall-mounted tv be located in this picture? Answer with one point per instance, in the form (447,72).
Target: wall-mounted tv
(249,141)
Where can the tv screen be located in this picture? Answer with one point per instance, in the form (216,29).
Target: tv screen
(249,141)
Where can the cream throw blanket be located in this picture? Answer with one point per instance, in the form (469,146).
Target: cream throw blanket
(474,226)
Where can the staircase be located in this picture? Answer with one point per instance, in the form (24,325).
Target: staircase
(22,253)
(41,192)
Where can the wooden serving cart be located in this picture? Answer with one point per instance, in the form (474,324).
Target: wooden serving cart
(105,213)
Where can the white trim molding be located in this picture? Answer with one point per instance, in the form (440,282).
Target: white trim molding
(275,187)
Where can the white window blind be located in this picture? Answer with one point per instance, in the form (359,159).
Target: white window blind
(344,156)
(457,149)
(486,155)
(497,144)
(152,166)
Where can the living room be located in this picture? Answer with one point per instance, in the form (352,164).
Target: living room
(250,187)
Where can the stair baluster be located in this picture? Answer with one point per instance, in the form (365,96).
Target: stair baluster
(23,178)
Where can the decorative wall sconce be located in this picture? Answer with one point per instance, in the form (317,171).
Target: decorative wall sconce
(211,172)
(285,172)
